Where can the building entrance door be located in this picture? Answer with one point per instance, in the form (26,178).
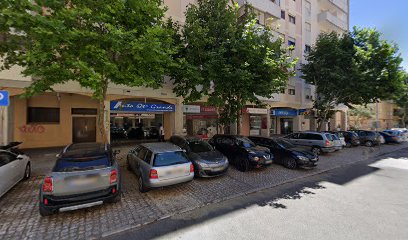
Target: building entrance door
(286,126)
(83,129)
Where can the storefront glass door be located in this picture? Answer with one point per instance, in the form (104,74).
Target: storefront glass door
(286,126)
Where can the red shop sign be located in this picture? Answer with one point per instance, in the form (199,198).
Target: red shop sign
(208,109)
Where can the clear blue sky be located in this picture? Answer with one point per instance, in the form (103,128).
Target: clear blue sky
(388,16)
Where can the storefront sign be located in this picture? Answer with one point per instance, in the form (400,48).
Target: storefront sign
(200,116)
(141,107)
(4,98)
(191,109)
(256,110)
(284,112)
(208,109)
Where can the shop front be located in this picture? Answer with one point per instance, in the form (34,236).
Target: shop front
(201,121)
(138,120)
(255,122)
(288,120)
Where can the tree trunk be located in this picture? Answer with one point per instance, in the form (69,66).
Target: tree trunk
(404,116)
(238,123)
(101,111)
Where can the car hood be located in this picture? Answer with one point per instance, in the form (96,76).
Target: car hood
(212,156)
(258,150)
(302,152)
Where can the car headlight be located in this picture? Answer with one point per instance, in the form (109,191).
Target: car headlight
(267,156)
(204,165)
(302,158)
(255,158)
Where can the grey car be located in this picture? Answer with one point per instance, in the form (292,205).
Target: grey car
(207,161)
(369,138)
(159,165)
(84,175)
(317,142)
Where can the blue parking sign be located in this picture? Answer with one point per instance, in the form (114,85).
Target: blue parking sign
(4,98)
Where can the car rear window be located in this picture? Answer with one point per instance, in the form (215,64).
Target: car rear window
(81,164)
(329,136)
(169,158)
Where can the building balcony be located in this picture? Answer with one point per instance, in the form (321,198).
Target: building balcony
(271,7)
(330,4)
(329,20)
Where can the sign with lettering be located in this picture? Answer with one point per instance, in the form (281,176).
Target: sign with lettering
(141,107)
(256,110)
(4,98)
(208,109)
(284,112)
(191,109)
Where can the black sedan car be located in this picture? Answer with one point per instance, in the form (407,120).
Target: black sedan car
(286,153)
(207,161)
(242,152)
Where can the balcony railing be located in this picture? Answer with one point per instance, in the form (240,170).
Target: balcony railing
(271,7)
(328,18)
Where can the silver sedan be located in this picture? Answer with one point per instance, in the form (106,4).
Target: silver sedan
(14,167)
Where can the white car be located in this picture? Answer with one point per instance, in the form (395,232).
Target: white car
(14,167)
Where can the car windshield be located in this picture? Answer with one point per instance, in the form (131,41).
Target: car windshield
(329,136)
(245,142)
(169,158)
(81,164)
(200,146)
(285,144)
(335,137)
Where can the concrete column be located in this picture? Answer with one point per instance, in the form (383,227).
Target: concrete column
(4,125)
(297,124)
(178,116)
(268,122)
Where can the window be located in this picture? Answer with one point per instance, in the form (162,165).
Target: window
(84,111)
(292,19)
(307,48)
(43,115)
(283,14)
(276,2)
(308,8)
(292,91)
(170,158)
(308,27)
(283,91)
(148,156)
(6,158)
(291,43)
(142,153)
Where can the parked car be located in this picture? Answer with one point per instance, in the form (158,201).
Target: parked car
(14,167)
(337,143)
(159,165)
(242,152)
(84,175)
(392,137)
(403,134)
(207,161)
(351,138)
(340,137)
(317,142)
(369,138)
(286,153)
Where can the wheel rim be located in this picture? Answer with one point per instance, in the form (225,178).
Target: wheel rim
(369,144)
(291,163)
(316,151)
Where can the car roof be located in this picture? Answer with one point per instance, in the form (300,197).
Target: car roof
(80,150)
(161,147)
(188,138)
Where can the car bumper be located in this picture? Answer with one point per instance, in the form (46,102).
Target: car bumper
(261,163)
(156,183)
(307,164)
(78,201)
(212,172)
(328,149)
(356,143)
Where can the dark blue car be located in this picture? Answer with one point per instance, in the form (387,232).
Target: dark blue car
(389,138)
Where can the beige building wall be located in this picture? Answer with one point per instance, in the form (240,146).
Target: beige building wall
(382,117)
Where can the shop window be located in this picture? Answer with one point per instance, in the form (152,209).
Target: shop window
(43,115)
(291,91)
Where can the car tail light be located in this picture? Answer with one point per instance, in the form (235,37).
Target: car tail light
(153,174)
(45,201)
(113,176)
(327,143)
(114,190)
(191,168)
(47,186)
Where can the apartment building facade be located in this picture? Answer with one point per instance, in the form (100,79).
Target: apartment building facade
(69,113)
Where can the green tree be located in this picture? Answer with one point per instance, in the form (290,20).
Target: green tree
(401,99)
(228,59)
(354,68)
(358,114)
(94,43)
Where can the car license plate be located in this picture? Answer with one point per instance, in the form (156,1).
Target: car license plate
(83,181)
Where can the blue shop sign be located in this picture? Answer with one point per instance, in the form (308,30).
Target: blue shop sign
(284,112)
(4,98)
(123,106)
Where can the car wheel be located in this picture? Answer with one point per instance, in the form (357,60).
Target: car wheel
(348,144)
(45,212)
(142,186)
(369,144)
(243,164)
(290,163)
(116,199)
(316,150)
(27,172)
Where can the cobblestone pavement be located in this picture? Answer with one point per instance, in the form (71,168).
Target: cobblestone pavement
(19,207)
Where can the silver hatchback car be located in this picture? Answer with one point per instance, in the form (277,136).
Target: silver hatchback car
(159,165)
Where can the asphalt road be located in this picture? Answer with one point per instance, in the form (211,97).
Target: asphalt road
(366,200)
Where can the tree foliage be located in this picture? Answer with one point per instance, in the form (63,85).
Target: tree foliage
(228,59)
(94,43)
(401,99)
(354,68)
